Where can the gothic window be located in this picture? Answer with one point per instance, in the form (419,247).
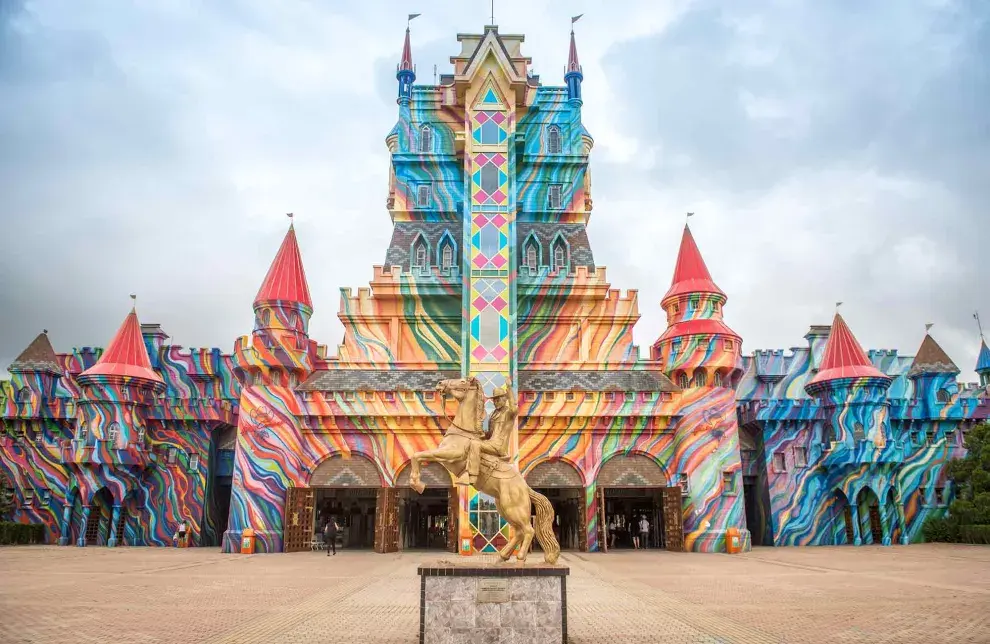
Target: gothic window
(553,140)
(942,396)
(424,195)
(553,195)
(859,433)
(194,463)
(682,480)
(683,381)
(83,433)
(112,433)
(421,254)
(447,256)
(939,496)
(426,139)
(559,255)
(23,395)
(701,379)
(532,259)
(718,379)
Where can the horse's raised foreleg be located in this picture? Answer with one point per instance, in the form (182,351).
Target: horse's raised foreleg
(442,455)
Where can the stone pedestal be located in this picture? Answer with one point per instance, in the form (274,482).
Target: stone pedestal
(476,602)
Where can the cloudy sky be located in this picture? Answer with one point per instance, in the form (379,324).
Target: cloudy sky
(831,150)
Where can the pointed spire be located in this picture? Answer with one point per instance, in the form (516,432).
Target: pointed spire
(38,356)
(983,361)
(931,358)
(691,274)
(844,357)
(405,63)
(572,57)
(126,355)
(286,278)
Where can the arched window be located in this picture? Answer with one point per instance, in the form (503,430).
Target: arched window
(553,140)
(447,256)
(718,379)
(859,433)
(559,255)
(421,254)
(23,395)
(828,435)
(83,433)
(266,317)
(683,381)
(701,378)
(112,432)
(532,256)
(426,139)
(942,396)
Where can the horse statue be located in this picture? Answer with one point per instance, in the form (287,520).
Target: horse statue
(474,460)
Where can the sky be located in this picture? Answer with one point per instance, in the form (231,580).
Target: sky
(832,151)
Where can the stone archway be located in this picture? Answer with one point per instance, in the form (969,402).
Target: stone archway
(431,474)
(356,470)
(843,522)
(634,487)
(868,513)
(554,473)
(631,470)
(428,520)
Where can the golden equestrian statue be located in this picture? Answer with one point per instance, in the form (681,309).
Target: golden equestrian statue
(482,462)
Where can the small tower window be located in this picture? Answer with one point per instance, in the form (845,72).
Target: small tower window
(426,139)
(942,396)
(683,481)
(112,432)
(23,395)
(421,254)
(828,435)
(173,455)
(729,483)
(424,195)
(779,464)
(194,463)
(800,457)
(683,381)
(859,433)
(532,258)
(83,433)
(553,140)
(447,256)
(701,379)
(266,317)
(553,195)
(718,379)
(140,437)
(559,258)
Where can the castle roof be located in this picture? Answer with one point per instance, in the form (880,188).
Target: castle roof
(983,360)
(405,64)
(691,274)
(38,356)
(126,354)
(699,326)
(931,358)
(844,357)
(286,278)
(572,57)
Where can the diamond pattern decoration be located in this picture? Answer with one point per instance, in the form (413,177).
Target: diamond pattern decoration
(496,189)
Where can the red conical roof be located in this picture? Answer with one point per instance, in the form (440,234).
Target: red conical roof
(126,354)
(406,62)
(691,275)
(286,279)
(572,58)
(844,358)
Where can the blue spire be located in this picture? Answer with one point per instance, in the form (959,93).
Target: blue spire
(573,75)
(405,72)
(983,361)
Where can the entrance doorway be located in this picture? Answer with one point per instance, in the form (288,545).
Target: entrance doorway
(562,485)
(354,511)
(632,488)
(427,521)
(625,507)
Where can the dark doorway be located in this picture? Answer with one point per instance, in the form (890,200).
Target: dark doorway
(354,510)
(751,501)
(100,515)
(624,507)
(568,506)
(221,498)
(423,520)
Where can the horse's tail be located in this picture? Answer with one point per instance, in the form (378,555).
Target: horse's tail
(544,527)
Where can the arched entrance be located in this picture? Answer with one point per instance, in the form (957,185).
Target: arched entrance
(348,489)
(98,527)
(843,532)
(634,487)
(870,524)
(561,483)
(427,521)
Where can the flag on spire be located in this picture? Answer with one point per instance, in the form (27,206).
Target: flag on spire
(412,16)
(576,18)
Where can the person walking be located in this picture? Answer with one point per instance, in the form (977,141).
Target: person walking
(644,532)
(330,536)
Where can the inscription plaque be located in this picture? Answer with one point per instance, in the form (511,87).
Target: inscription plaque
(493,591)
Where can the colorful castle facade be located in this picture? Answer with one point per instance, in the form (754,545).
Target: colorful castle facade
(489,274)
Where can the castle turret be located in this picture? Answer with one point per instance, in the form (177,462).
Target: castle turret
(573,76)
(983,364)
(698,349)
(405,73)
(851,390)
(933,374)
(36,369)
(280,343)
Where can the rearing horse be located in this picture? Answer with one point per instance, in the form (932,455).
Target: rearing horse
(497,478)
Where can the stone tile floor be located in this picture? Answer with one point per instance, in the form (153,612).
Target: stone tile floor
(925,593)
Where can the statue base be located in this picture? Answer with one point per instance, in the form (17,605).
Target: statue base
(474,601)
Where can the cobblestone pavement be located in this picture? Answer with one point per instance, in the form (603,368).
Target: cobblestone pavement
(928,593)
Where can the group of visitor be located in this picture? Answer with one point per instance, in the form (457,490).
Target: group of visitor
(640,539)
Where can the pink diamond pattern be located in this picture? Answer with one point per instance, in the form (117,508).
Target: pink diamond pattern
(479,353)
(499,353)
(482,117)
(479,303)
(498,196)
(499,220)
(498,159)
(498,117)
(480,260)
(481,159)
(480,219)
(499,261)
(481,196)
(498,303)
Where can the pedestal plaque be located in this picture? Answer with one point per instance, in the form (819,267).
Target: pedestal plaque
(472,602)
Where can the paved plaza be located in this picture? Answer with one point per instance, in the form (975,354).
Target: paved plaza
(927,593)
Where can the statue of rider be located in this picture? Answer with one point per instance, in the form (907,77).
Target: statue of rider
(500,425)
